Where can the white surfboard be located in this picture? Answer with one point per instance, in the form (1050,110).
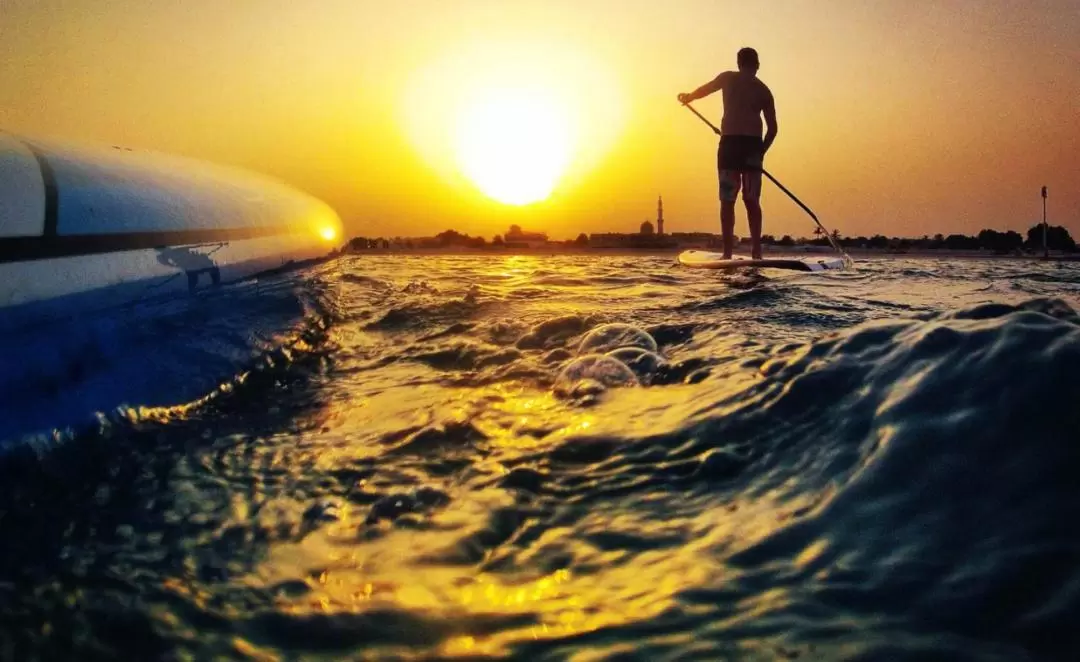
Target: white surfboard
(116,266)
(709,260)
(87,227)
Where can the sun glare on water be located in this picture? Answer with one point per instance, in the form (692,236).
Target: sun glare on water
(514,144)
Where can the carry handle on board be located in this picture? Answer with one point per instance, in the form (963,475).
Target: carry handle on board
(832,242)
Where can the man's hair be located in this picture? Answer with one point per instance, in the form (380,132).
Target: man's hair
(747,57)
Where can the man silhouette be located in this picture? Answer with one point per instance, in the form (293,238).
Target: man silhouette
(740,156)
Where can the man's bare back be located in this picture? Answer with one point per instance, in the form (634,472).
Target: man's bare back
(746,98)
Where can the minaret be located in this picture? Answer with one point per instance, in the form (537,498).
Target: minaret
(660,215)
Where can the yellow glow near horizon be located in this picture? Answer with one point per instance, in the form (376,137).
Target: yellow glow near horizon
(514,144)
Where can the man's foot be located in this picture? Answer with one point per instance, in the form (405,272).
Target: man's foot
(755,256)
(727,256)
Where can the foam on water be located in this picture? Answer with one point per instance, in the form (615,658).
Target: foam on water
(597,457)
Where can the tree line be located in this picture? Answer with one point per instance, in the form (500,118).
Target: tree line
(1057,239)
(445,239)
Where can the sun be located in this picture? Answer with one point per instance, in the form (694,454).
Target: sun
(514,143)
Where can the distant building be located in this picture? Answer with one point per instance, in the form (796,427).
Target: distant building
(611,239)
(696,239)
(653,236)
(515,237)
(630,240)
(646,237)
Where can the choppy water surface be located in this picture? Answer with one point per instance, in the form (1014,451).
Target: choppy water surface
(449,462)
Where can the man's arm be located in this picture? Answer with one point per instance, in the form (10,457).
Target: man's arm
(703,91)
(770,122)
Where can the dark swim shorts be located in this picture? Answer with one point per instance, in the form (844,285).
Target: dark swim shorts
(738,161)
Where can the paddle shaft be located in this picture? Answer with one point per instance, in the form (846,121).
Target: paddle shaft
(778,184)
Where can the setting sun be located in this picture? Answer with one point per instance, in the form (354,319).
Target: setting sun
(517,122)
(514,144)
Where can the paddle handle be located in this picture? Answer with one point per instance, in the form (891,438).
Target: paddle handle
(702,118)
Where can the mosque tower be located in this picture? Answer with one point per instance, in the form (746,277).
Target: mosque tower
(660,215)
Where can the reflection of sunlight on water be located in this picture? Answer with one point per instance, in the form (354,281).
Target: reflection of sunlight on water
(517,265)
(521,419)
(425,493)
(643,570)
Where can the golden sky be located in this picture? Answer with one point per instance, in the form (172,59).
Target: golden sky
(901,117)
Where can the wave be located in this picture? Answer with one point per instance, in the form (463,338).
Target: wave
(82,375)
(909,476)
(808,468)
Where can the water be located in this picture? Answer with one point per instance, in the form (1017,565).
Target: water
(878,464)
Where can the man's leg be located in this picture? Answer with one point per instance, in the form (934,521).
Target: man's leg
(752,200)
(729,192)
(727,226)
(753,215)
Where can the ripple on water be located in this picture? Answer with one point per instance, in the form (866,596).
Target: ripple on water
(792,483)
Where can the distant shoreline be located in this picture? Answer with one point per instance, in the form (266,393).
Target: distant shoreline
(767,250)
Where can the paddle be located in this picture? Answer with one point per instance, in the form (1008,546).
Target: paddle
(783,188)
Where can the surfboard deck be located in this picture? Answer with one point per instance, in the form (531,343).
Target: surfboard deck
(710,260)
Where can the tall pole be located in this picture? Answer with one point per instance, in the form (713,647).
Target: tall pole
(1046,251)
(660,215)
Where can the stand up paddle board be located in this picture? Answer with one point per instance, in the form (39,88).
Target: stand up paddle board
(707,260)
